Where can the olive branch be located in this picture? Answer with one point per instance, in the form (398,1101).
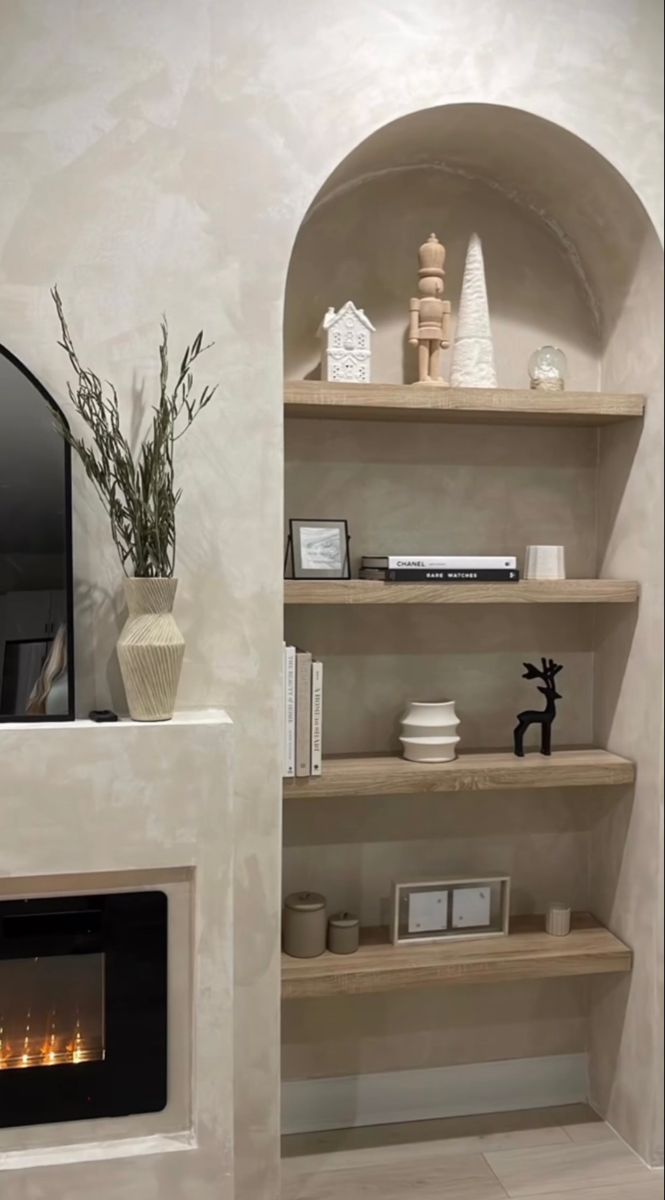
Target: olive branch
(137,490)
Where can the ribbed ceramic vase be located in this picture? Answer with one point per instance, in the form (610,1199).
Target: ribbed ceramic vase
(150,649)
(429,731)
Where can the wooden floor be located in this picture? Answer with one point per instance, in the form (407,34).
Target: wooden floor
(546,1154)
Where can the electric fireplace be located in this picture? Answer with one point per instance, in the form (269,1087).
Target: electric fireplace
(83,1007)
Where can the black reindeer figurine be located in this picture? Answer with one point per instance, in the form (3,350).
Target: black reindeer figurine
(544,717)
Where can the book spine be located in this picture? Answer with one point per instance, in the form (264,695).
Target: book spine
(317,718)
(449,576)
(290,711)
(476,562)
(284,709)
(303,712)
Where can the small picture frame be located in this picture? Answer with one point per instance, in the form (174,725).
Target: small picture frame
(318,549)
(440,910)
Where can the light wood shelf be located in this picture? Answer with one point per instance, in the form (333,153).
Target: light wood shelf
(408,402)
(527,591)
(527,952)
(378,775)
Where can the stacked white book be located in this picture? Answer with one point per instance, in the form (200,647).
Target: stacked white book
(303,713)
(440,568)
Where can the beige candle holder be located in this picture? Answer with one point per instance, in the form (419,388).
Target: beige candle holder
(557,919)
(545,562)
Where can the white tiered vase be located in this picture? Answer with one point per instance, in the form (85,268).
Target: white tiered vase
(429,732)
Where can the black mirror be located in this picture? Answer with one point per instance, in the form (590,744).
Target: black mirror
(36,593)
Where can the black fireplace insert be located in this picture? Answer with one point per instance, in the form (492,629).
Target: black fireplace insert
(83,1007)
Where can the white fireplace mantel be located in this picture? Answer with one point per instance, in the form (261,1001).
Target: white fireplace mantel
(87,807)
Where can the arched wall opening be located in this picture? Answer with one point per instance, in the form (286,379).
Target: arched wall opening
(571,258)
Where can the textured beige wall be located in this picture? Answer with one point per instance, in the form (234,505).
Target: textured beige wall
(627,842)
(116,807)
(160,157)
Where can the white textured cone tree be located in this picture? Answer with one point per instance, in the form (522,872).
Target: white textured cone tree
(473,349)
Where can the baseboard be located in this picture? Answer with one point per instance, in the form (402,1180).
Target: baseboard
(309,1105)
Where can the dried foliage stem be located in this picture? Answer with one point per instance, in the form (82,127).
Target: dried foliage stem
(137,490)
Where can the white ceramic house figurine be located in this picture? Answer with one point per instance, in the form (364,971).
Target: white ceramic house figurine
(348,349)
(473,350)
(429,314)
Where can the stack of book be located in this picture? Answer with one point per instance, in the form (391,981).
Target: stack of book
(303,713)
(440,568)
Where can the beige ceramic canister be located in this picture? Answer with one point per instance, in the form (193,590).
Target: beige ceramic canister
(343,933)
(304,924)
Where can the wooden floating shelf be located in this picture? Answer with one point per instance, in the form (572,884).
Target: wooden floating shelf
(409,402)
(527,591)
(391,776)
(527,952)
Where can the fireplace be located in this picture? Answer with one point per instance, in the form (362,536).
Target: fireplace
(83,1008)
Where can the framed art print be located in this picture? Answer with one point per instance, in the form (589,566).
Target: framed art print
(438,910)
(319,549)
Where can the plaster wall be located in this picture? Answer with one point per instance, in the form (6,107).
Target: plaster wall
(123,807)
(157,158)
(627,842)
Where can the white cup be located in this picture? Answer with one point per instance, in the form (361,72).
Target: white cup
(544,562)
(557,919)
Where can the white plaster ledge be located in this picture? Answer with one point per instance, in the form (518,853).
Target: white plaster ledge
(193,716)
(21,1160)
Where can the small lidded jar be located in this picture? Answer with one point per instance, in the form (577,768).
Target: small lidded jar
(547,369)
(343,933)
(304,925)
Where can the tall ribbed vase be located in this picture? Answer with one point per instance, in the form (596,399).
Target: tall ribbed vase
(150,649)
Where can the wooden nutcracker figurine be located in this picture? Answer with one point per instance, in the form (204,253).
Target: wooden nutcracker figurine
(430,315)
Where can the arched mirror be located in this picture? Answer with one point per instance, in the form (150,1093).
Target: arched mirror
(36,627)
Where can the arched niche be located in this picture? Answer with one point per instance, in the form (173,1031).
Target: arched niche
(572,258)
(561,229)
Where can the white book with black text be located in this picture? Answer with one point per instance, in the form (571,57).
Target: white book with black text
(317,718)
(289,711)
(452,562)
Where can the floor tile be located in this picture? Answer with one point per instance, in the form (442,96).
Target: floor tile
(592,1131)
(649,1189)
(387,1155)
(541,1170)
(466,1177)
